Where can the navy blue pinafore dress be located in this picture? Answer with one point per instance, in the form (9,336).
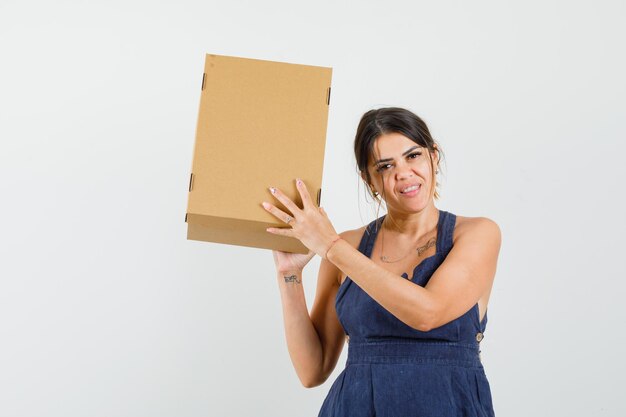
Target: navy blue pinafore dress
(393,370)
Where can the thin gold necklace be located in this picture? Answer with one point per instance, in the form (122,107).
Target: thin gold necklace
(420,249)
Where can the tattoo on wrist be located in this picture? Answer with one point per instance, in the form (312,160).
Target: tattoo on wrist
(293,278)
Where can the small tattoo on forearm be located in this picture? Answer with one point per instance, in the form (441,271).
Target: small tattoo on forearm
(293,278)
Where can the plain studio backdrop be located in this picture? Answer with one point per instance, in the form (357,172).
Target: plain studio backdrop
(107,310)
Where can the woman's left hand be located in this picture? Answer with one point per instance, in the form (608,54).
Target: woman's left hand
(310,225)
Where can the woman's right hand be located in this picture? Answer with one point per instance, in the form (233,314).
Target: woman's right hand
(291,262)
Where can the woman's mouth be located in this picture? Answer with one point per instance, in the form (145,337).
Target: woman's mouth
(411,191)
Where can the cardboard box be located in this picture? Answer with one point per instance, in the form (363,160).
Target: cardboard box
(260,124)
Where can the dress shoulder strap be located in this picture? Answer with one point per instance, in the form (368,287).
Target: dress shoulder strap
(369,236)
(445,231)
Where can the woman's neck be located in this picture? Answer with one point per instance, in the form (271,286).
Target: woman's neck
(412,224)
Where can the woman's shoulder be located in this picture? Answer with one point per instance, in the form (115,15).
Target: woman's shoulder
(475,225)
(353,236)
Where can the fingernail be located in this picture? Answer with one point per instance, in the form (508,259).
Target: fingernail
(298,181)
(272,190)
(266,205)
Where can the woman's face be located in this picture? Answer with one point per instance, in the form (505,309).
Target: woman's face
(398,163)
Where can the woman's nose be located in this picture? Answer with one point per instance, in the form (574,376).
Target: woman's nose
(404,171)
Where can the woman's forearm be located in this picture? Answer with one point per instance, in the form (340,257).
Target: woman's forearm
(303,342)
(410,303)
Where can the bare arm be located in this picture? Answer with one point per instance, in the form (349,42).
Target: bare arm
(314,342)
(466,273)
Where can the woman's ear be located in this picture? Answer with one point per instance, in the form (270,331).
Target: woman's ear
(435,153)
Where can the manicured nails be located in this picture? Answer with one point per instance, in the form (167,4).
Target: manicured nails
(272,190)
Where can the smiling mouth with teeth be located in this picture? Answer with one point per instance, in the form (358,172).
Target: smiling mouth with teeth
(411,188)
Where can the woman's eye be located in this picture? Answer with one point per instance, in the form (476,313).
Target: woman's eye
(413,155)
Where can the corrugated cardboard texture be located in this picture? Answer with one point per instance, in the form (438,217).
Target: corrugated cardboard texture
(260,124)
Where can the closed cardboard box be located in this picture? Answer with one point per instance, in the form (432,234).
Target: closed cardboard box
(260,124)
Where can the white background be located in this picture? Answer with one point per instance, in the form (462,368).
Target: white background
(107,310)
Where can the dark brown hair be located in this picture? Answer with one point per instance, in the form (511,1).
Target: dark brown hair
(377,122)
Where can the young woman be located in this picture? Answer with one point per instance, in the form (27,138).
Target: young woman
(408,292)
